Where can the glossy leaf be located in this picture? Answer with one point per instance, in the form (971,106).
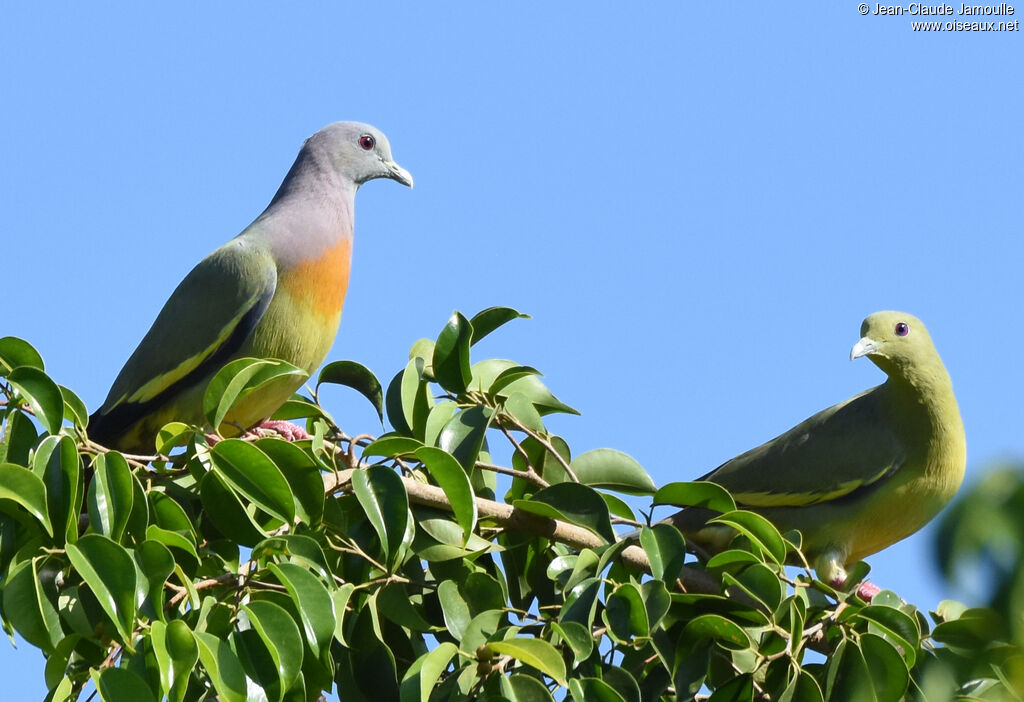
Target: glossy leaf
(74,409)
(463,435)
(422,675)
(176,654)
(717,628)
(121,684)
(56,462)
(574,503)
(486,321)
(625,613)
(16,352)
(759,530)
(224,508)
(578,637)
(111,494)
(356,376)
(239,379)
(223,667)
(27,606)
(383,498)
(27,490)
(253,474)
(41,394)
(312,601)
(392,445)
(612,469)
(281,636)
(303,475)
(109,571)
(534,652)
(408,401)
(451,478)
(451,354)
(700,493)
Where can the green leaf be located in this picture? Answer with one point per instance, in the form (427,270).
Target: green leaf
(313,603)
(518,406)
(156,563)
(451,354)
(586,689)
(625,613)
(239,379)
(41,394)
(74,409)
(252,473)
(440,415)
(109,571)
(18,438)
(534,652)
(581,603)
(121,684)
(397,605)
(111,493)
(762,534)
(383,498)
(760,582)
(223,667)
(391,445)
(578,637)
(421,677)
(302,472)
(463,435)
(700,493)
(573,503)
(508,376)
(28,608)
(280,635)
(24,487)
(486,321)
(615,470)
(57,463)
(356,376)
(717,628)
(16,352)
(486,375)
(849,677)
(454,607)
(223,507)
(408,400)
(895,626)
(176,654)
(451,478)
(889,673)
(657,600)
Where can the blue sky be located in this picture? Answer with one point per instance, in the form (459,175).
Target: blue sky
(697,203)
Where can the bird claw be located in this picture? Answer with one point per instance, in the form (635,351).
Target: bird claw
(866,591)
(281,428)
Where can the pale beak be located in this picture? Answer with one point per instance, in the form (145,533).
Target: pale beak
(864,347)
(396,172)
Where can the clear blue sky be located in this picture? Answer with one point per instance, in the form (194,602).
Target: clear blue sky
(698,203)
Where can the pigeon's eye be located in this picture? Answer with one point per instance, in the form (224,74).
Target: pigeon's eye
(902,329)
(367,142)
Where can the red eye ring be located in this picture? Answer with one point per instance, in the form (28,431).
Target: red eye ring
(367,142)
(901,329)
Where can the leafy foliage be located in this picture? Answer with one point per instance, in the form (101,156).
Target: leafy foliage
(255,568)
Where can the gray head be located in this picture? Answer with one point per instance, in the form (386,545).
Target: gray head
(358,151)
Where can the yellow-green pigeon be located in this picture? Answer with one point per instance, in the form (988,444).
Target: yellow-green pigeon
(863,474)
(274,291)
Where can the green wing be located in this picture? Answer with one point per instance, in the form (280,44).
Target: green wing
(207,318)
(827,456)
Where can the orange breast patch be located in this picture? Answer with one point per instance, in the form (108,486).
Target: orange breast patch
(322,282)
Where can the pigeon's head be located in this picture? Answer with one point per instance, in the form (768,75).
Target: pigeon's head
(897,342)
(358,151)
